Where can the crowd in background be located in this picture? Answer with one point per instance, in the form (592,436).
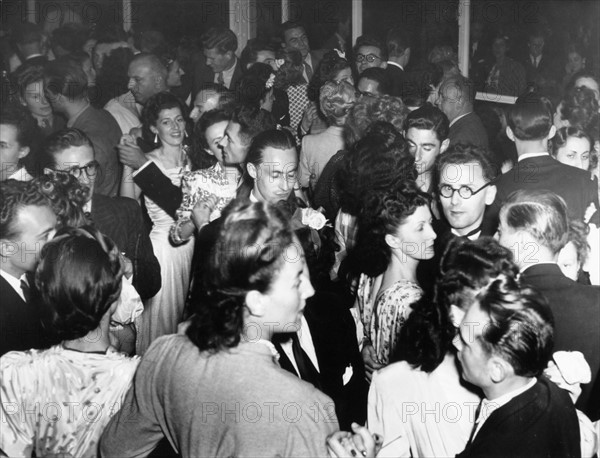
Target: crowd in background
(209,251)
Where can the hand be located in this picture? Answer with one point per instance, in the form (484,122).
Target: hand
(370,359)
(127,265)
(310,113)
(202,211)
(347,445)
(130,154)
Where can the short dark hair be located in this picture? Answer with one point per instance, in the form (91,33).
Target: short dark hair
(200,158)
(252,120)
(77,279)
(67,78)
(462,153)
(397,41)
(429,117)
(249,54)
(380,76)
(541,213)
(248,254)
(220,38)
(273,138)
(290,25)
(368,40)
(521,328)
(14,195)
(27,33)
(529,118)
(59,141)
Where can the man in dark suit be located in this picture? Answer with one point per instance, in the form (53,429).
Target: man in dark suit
(294,36)
(398,50)
(27,223)
(504,344)
(220,64)
(463,179)
(534,225)
(456,98)
(530,127)
(119,218)
(30,44)
(540,68)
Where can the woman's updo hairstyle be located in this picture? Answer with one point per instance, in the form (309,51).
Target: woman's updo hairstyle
(254,240)
(77,279)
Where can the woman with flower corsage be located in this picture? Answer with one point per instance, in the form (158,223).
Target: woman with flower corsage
(164,115)
(394,234)
(289,79)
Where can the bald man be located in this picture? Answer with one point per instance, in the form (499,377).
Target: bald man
(147,76)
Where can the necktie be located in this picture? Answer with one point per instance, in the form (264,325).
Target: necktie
(220,79)
(309,72)
(26,290)
(307,370)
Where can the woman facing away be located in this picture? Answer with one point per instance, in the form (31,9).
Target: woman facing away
(218,389)
(394,234)
(164,117)
(419,405)
(58,401)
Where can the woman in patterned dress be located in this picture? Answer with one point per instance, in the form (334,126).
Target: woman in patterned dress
(394,234)
(56,402)
(164,116)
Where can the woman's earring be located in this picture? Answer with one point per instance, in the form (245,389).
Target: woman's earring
(185,134)
(155,138)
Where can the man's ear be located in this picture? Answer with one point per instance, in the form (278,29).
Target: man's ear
(252,170)
(256,303)
(552,132)
(23,152)
(498,369)
(510,134)
(490,194)
(383,64)
(444,146)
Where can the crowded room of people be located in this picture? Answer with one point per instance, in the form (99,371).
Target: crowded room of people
(300,228)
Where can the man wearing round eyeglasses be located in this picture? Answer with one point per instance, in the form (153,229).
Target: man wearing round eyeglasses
(464,188)
(71,151)
(369,52)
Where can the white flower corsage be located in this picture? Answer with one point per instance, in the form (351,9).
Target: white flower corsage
(270,81)
(279,63)
(313,218)
(341,54)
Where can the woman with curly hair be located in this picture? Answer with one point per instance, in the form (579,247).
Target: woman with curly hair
(394,234)
(427,370)
(71,390)
(190,385)
(164,117)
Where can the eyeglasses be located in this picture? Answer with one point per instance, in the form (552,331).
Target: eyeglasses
(370,58)
(465,192)
(90,169)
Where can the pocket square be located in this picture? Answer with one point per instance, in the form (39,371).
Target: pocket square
(347,374)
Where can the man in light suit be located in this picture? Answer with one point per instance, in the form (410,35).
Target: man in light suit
(534,225)
(504,344)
